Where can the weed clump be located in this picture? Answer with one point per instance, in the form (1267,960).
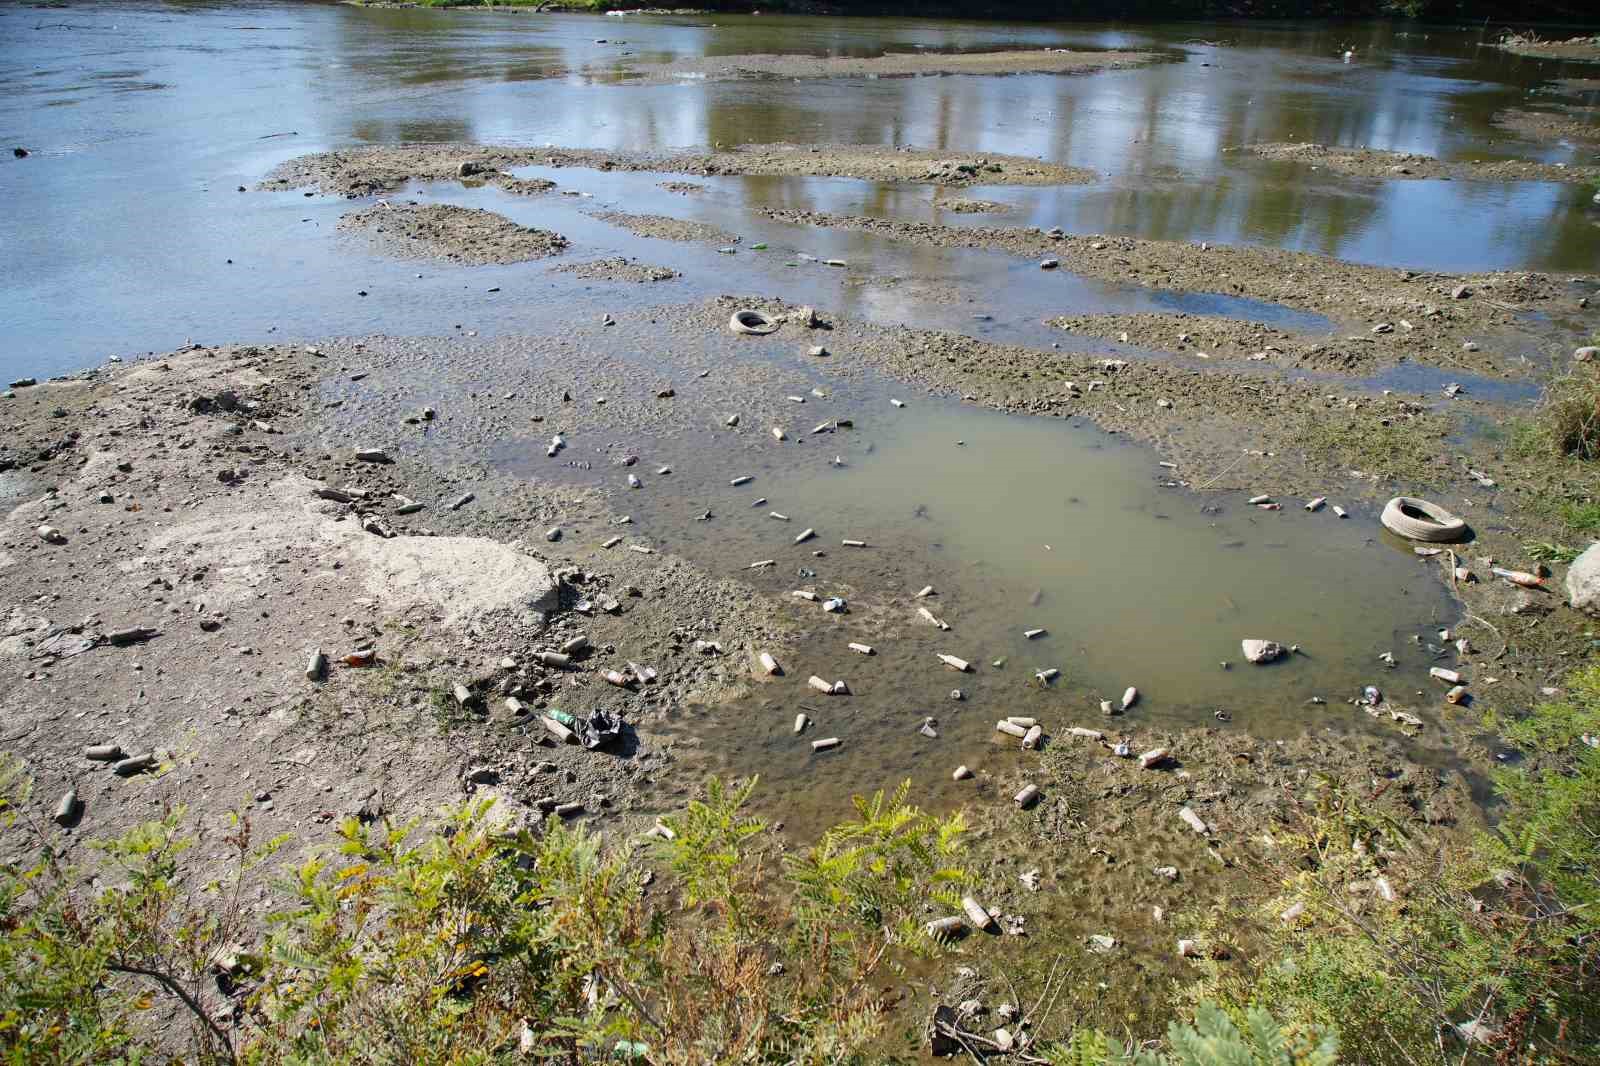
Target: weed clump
(1569,414)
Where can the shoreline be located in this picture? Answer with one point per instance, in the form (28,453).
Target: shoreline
(222,548)
(534,626)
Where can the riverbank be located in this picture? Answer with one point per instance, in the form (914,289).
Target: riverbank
(192,482)
(1371,163)
(1432,318)
(1581,49)
(226,513)
(369,170)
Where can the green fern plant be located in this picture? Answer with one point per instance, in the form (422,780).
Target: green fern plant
(1212,1040)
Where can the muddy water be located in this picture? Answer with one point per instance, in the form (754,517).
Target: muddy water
(144,118)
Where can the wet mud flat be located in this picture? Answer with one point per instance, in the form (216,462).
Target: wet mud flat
(889,65)
(666,228)
(973,207)
(216,577)
(455,234)
(1573,123)
(1204,337)
(1426,317)
(371,170)
(1400,166)
(211,545)
(1100,877)
(618,269)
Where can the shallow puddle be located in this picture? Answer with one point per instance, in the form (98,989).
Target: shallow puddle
(1027,524)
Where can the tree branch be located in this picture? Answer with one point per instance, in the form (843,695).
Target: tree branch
(195,1007)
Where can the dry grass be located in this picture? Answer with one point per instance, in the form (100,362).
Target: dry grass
(1569,414)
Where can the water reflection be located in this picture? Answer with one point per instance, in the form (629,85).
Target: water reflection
(129,186)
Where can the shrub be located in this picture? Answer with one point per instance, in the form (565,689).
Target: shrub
(1418,947)
(470,943)
(466,942)
(1213,1040)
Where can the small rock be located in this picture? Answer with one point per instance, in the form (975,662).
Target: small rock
(1261,651)
(1527,604)
(1583,581)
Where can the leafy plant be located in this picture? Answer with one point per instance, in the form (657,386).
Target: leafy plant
(1213,1040)
(460,943)
(78,964)
(1420,950)
(1546,552)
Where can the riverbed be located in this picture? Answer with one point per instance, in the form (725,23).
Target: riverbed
(145,217)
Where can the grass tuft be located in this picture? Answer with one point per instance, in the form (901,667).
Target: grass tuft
(1569,414)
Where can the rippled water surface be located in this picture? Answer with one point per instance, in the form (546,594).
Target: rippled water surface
(144,118)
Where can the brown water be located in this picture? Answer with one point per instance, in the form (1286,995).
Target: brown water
(124,233)
(1021,524)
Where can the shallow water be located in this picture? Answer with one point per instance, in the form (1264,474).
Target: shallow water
(144,118)
(125,233)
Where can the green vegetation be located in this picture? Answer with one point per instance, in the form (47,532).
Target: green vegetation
(476,943)
(1546,552)
(1556,447)
(1569,413)
(1581,517)
(1421,952)
(1213,1040)
(1565,423)
(1405,451)
(479,941)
